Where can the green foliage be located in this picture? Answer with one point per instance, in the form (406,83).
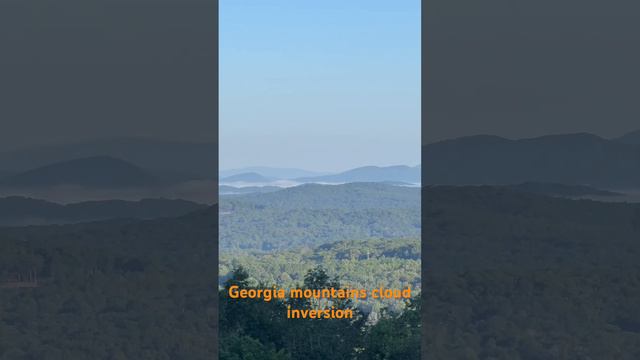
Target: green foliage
(350,196)
(366,264)
(395,337)
(522,276)
(110,290)
(246,227)
(248,326)
(248,348)
(312,215)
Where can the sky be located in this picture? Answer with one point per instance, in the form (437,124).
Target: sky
(319,85)
(522,69)
(75,70)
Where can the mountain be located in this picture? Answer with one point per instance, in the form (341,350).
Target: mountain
(124,271)
(561,190)
(250,177)
(399,173)
(22,211)
(171,160)
(91,172)
(272,172)
(232,190)
(632,138)
(351,196)
(575,159)
(313,214)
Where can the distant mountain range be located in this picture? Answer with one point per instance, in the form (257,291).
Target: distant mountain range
(169,160)
(250,177)
(91,172)
(20,211)
(571,159)
(574,159)
(272,172)
(632,138)
(400,173)
(232,190)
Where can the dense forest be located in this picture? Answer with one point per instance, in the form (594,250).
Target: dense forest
(511,275)
(247,227)
(365,264)
(255,329)
(506,275)
(20,211)
(351,196)
(110,290)
(365,233)
(311,215)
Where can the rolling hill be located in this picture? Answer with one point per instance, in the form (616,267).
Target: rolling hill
(250,177)
(632,138)
(562,190)
(20,211)
(272,172)
(573,159)
(170,160)
(352,196)
(313,214)
(232,190)
(498,264)
(399,173)
(91,172)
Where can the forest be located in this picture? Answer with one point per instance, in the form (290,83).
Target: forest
(364,264)
(365,233)
(311,215)
(251,329)
(505,275)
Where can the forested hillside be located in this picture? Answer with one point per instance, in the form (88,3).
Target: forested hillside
(509,275)
(18,210)
(352,196)
(520,276)
(311,215)
(109,290)
(364,264)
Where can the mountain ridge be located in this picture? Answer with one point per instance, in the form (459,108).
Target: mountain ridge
(100,171)
(397,173)
(573,159)
(19,210)
(180,160)
(631,138)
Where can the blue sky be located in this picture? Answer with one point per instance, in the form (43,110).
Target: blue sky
(322,85)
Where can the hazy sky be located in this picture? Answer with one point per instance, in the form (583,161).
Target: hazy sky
(324,85)
(530,68)
(73,70)
(329,84)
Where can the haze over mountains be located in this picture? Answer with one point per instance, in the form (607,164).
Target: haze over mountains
(272,172)
(189,168)
(92,172)
(250,177)
(168,159)
(121,168)
(574,159)
(400,175)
